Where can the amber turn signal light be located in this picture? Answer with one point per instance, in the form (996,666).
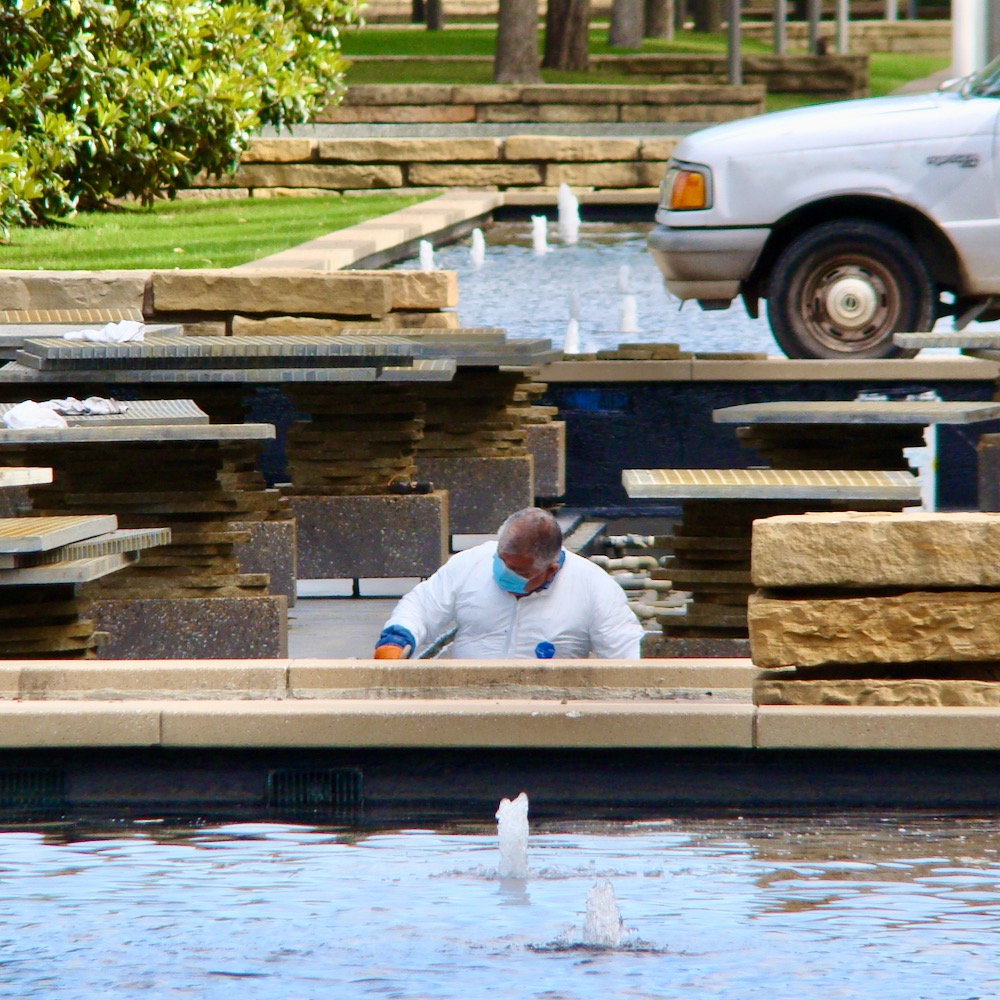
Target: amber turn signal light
(688,190)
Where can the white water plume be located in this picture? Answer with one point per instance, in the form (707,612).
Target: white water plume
(569,214)
(427,256)
(602,925)
(477,254)
(512,832)
(540,235)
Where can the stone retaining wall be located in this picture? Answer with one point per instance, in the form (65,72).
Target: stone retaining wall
(526,161)
(222,302)
(915,38)
(503,103)
(830,75)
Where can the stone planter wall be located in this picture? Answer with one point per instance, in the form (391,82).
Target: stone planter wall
(510,103)
(324,165)
(916,38)
(830,75)
(224,302)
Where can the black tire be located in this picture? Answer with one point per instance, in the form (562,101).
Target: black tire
(842,289)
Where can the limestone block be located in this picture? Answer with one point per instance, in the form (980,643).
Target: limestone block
(722,94)
(192,628)
(269,549)
(294,192)
(320,175)
(546,444)
(213,194)
(399,93)
(919,691)
(858,549)
(487,93)
(78,724)
(418,289)
(551,113)
(279,151)
(482,492)
(651,173)
(252,291)
(658,149)
(405,114)
(582,93)
(474,174)
(311,326)
(366,537)
(206,328)
(73,289)
(569,149)
(408,150)
(602,175)
(915,627)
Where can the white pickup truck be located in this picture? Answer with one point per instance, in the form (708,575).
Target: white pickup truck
(853,220)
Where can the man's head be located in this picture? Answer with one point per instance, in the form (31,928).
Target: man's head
(529,544)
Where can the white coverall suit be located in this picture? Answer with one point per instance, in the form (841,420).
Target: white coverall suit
(581,612)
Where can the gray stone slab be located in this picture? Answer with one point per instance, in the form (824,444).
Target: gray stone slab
(770,484)
(546,443)
(371,536)
(858,412)
(40,534)
(441,370)
(482,492)
(218,352)
(959,338)
(456,335)
(113,543)
(11,479)
(113,435)
(271,549)
(140,412)
(14,372)
(192,628)
(73,571)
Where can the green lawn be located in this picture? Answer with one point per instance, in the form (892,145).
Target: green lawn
(888,70)
(190,233)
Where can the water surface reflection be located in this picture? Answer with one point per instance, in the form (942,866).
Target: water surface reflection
(854,906)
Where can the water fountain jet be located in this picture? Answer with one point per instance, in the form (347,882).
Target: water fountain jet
(569,214)
(512,832)
(427,256)
(539,235)
(477,253)
(602,925)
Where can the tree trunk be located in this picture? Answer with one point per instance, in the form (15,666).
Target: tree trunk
(416,11)
(516,57)
(708,16)
(659,19)
(567,35)
(435,14)
(625,31)
(680,15)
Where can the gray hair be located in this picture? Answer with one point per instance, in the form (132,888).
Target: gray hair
(531,532)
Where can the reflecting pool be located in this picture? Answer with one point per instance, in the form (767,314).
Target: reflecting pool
(533,296)
(864,906)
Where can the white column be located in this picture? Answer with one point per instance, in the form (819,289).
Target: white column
(779,30)
(891,10)
(968,36)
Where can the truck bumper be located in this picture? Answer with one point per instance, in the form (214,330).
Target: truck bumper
(706,263)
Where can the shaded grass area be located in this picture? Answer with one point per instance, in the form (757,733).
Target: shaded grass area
(190,233)
(888,70)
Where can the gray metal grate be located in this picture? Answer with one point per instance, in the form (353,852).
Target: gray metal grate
(329,793)
(32,791)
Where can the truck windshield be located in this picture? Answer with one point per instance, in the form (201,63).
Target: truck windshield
(985,83)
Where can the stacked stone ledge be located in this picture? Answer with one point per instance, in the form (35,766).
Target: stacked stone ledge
(420,164)
(877,609)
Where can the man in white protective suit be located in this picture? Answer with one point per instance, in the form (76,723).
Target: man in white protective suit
(523,597)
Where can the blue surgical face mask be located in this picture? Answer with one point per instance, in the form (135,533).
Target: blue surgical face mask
(507,579)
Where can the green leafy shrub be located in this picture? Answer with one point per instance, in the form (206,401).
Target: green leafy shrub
(106,99)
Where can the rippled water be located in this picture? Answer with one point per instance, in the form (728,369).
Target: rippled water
(893,907)
(530,296)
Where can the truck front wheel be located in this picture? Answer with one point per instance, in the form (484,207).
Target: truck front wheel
(842,289)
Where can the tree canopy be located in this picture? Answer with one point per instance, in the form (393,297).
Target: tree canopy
(102,99)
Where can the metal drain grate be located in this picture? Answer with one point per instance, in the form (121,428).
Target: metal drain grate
(336,793)
(32,791)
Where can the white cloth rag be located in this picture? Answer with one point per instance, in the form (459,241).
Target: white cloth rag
(91,406)
(123,332)
(29,415)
